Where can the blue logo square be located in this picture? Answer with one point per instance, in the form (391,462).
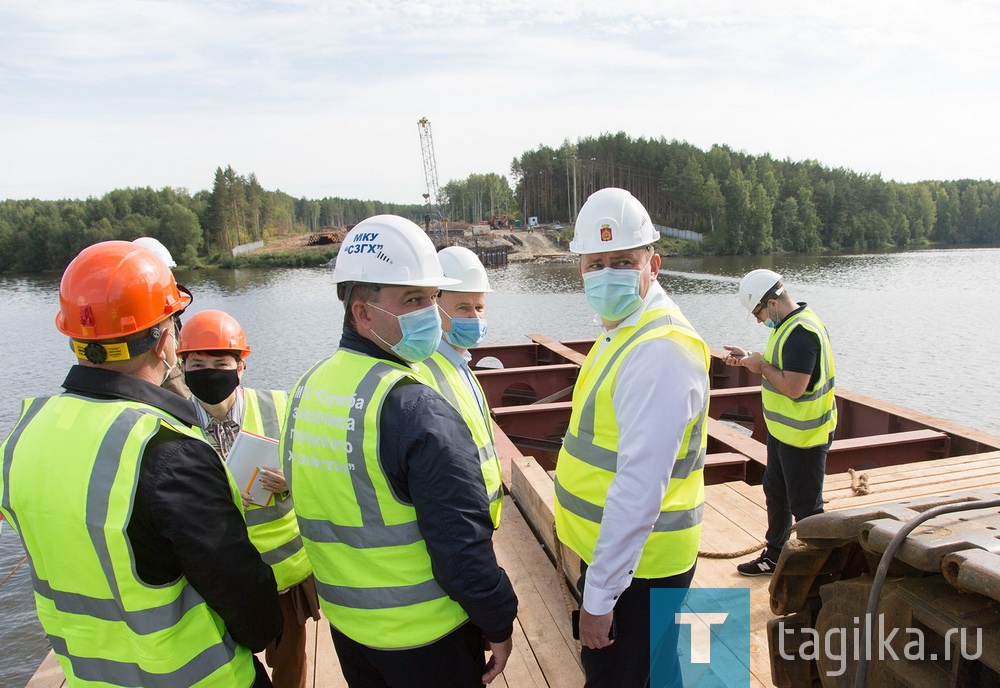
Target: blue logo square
(699,638)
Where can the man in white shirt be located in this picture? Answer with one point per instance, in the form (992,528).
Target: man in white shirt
(629,485)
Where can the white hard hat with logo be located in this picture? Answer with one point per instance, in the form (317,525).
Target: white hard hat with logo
(612,220)
(755,285)
(463,265)
(391,250)
(158,248)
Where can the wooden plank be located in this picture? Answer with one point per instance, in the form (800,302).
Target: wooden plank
(558,348)
(322,661)
(725,459)
(897,488)
(543,607)
(531,488)
(737,441)
(887,439)
(721,573)
(521,669)
(49,674)
(506,452)
(946,467)
(923,489)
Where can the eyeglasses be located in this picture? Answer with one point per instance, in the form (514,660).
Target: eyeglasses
(763,303)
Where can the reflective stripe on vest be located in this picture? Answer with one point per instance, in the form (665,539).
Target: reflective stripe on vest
(588,460)
(373,572)
(439,372)
(809,420)
(273,529)
(72,511)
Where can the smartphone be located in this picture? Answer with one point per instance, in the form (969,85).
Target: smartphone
(575,617)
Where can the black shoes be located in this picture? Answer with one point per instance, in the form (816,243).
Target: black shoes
(761,566)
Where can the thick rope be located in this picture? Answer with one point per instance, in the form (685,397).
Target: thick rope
(732,555)
(23,559)
(859,483)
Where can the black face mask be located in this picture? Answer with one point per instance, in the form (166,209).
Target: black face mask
(212,385)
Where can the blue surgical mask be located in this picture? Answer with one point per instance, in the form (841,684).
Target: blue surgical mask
(612,294)
(421,333)
(772,324)
(466,333)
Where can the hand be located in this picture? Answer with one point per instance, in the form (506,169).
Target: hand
(753,362)
(594,630)
(273,480)
(501,651)
(734,356)
(246,500)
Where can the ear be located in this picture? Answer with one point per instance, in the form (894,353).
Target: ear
(362,316)
(160,347)
(654,264)
(241,365)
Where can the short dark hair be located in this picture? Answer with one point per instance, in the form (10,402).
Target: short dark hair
(352,292)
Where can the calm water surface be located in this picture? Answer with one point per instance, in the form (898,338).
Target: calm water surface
(906,328)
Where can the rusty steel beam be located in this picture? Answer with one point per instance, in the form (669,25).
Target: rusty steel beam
(517,386)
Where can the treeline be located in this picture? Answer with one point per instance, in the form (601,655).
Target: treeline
(39,236)
(478,198)
(747,204)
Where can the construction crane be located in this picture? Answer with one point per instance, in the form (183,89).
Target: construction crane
(435,215)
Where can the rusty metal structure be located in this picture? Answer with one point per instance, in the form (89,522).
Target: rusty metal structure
(530,398)
(945,576)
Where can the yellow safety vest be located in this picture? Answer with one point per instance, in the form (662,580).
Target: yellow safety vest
(809,420)
(273,529)
(588,459)
(443,376)
(373,572)
(68,486)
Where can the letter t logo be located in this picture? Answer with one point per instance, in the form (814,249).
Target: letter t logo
(701,633)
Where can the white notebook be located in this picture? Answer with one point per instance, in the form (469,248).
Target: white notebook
(247,456)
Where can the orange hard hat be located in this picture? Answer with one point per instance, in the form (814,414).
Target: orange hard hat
(116,288)
(212,331)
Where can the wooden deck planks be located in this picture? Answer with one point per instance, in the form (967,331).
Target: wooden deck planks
(543,612)
(49,674)
(735,518)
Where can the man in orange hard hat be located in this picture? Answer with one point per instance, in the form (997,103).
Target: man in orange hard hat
(143,571)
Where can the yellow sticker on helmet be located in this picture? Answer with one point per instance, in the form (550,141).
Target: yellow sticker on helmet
(99,353)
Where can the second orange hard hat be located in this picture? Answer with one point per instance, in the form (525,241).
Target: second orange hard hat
(212,331)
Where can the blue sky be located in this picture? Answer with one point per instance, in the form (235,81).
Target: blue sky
(321,98)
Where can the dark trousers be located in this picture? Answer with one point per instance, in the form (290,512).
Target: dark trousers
(625,663)
(793,487)
(455,661)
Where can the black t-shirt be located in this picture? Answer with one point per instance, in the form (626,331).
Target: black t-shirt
(800,352)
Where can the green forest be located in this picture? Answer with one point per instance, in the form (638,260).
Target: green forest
(746,204)
(742,203)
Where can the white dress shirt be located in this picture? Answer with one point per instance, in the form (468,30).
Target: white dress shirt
(461,362)
(659,389)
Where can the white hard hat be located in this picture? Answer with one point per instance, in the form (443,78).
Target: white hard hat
(462,264)
(755,285)
(612,220)
(156,247)
(388,249)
